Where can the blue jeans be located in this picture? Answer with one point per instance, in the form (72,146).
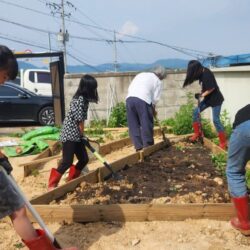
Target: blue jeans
(216,115)
(238,156)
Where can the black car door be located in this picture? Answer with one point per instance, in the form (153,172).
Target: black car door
(18,104)
(6,111)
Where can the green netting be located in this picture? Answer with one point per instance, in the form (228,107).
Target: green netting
(52,137)
(40,131)
(33,142)
(27,148)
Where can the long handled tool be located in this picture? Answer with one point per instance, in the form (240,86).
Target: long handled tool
(201,137)
(32,210)
(165,139)
(86,142)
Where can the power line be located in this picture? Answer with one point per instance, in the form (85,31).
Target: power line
(24,42)
(187,51)
(81,61)
(27,26)
(26,8)
(30,43)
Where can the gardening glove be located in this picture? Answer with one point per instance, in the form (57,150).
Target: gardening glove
(197,95)
(4,162)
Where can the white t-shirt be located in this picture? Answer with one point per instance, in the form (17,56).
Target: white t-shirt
(145,86)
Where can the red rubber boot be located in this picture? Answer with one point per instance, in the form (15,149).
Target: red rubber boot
(196,127)
(73,173)
(42,242)
(54,179)
(241,222)
(222,139)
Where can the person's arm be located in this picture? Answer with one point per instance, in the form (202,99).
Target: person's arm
(81,127)
(207,92)
(154,110)
(157,92)
(1,154)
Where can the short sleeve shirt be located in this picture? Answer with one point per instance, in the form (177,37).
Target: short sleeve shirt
(242,115)
(77,112)
(208,81)
(146,86)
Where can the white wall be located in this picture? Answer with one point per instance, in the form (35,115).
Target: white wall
(234,83)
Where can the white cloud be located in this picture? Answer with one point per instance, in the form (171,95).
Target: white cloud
(128,28)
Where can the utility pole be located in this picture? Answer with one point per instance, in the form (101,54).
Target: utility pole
(63,35)
(49,45)
(115,53)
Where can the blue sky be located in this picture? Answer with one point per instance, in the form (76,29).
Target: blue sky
(217,26)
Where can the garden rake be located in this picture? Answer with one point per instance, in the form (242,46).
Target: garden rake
(87,142)
(165,139)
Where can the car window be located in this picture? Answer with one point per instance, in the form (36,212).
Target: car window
(6,91)
(17,81)
(43,77)
(32,76)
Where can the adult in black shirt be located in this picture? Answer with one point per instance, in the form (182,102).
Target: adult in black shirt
(238,156)
(212,98)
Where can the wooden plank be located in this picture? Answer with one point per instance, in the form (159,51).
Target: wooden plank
(41,160)
(120,164)
(215,149)
(134,212)
(220,211)
(43,154)
(35,164)
(55,147)
(151,149)
(65,188)
(115,145)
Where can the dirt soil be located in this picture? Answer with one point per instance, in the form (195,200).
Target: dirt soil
(182,173)
(183,235)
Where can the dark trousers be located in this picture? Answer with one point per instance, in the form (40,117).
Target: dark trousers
(140,122)
(69,149)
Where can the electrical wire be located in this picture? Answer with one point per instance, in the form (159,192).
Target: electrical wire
(83,62)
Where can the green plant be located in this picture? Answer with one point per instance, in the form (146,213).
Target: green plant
(220,162)
(35,172)
(124,134)
(207,128)
(216,141)
(179,147)
(168,122)
(118,117)
(224,117)
(95,129)
(183,118)
(98,123)
(109,136)
(248,178)
(19,245)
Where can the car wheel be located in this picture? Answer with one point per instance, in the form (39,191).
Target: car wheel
(46,116)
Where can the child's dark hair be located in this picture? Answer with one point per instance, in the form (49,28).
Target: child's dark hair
(8,62)
(88,89)
(194,72)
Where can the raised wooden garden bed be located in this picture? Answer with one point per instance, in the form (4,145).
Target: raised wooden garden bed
(147,210)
